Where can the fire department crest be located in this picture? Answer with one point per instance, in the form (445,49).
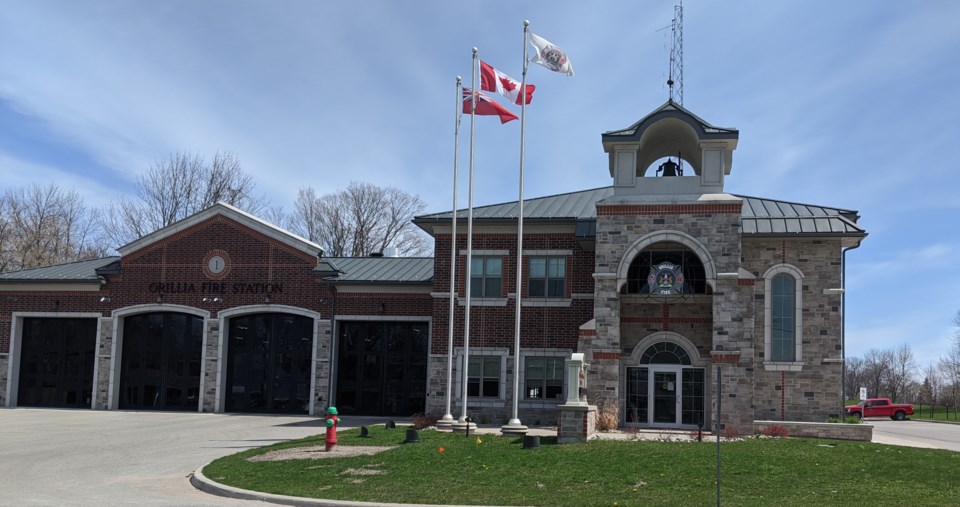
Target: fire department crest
(665,279)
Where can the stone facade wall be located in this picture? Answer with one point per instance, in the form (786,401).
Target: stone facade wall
(104,358)
(716,227)
(322,330)
(811,392)
(4,365)
(211,365)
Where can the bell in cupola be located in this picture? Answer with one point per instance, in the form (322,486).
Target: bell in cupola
(668,168)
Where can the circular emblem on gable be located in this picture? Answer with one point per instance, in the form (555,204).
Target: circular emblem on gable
(665,279)
(216,264)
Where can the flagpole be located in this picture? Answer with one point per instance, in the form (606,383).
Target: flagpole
(462,422)
(514,426)
(447,420)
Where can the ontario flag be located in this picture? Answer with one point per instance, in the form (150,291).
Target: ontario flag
(486,106)
(492,80)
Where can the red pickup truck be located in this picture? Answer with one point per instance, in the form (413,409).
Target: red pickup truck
(879,407)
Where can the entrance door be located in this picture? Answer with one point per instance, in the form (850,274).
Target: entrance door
(382,368)
(160,367)
(56,362)
(666,397)
(269,359)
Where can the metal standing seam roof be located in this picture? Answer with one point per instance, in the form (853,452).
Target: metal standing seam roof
(79,271)
(380,270)
(759,215)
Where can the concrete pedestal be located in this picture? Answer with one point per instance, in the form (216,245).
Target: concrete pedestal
(578,423)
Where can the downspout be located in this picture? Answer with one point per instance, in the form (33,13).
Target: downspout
(843,327)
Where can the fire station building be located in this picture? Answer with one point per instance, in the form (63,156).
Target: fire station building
(658,279)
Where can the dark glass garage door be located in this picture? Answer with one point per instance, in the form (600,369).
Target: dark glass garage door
(56,362)
(161,361)
(382,368)
(269,363)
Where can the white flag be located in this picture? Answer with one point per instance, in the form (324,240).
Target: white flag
(549,55)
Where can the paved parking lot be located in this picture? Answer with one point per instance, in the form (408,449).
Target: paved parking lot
(86,457)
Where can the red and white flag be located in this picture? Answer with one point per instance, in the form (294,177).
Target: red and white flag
(549,55)
(487,106)
(492,80)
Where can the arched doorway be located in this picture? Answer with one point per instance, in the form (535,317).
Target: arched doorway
(269,362)
(665,388)
(160,361)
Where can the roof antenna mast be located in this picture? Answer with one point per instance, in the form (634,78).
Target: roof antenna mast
(676,55)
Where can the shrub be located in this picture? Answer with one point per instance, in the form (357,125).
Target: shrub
(608,416)
(421,420)
(730,433)
(775,430)
(852,420)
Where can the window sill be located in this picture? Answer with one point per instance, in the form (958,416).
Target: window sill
(486,402)
(540,404)
(782,365)
(556,302)
(482,301)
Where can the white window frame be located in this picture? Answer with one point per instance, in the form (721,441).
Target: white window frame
(551,353)
(797,363)
(475,401)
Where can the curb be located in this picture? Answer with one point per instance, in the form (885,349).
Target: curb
(205,484)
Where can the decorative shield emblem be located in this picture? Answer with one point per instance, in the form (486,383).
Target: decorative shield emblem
(665,279)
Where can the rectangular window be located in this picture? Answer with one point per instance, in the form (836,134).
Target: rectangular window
(486,277)
(547,277)
(543,378)
(782,318)
(483,377)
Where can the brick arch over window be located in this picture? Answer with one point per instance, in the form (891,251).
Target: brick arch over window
(710,269)
(669,337)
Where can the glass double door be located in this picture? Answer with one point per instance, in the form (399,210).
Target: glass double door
(269,362)
(56,362)
(160,363)
(665,396)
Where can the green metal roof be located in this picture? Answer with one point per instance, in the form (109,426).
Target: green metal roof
(381,270)
(79,271)
(760,216)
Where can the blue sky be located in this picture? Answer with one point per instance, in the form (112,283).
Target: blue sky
(849,104)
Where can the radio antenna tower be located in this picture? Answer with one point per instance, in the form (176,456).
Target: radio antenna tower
(675,81)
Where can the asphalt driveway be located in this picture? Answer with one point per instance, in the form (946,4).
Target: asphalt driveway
(87,457)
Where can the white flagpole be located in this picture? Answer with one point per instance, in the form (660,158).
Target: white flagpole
(466,316)
(447,418)
(514,426)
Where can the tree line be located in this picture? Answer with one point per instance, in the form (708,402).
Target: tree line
(41,225)
(894,374)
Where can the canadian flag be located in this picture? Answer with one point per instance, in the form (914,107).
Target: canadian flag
(492,80)
(487,106)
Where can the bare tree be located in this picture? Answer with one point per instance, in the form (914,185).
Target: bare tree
(876,372)
(177,187)
(950,367)
(854,378)
(44,225)
(901,372)
(360,220)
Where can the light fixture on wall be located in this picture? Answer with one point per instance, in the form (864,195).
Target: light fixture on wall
(382,308)
(160,299)
(267,299)
(207,299)
(104,299)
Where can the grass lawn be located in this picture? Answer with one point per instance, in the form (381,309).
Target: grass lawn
(497,471)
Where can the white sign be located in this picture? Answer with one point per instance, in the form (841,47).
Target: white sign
(863,393)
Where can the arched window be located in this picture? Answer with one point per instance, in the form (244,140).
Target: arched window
(665,353)
(782,315)
(689,265)
(782,318)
